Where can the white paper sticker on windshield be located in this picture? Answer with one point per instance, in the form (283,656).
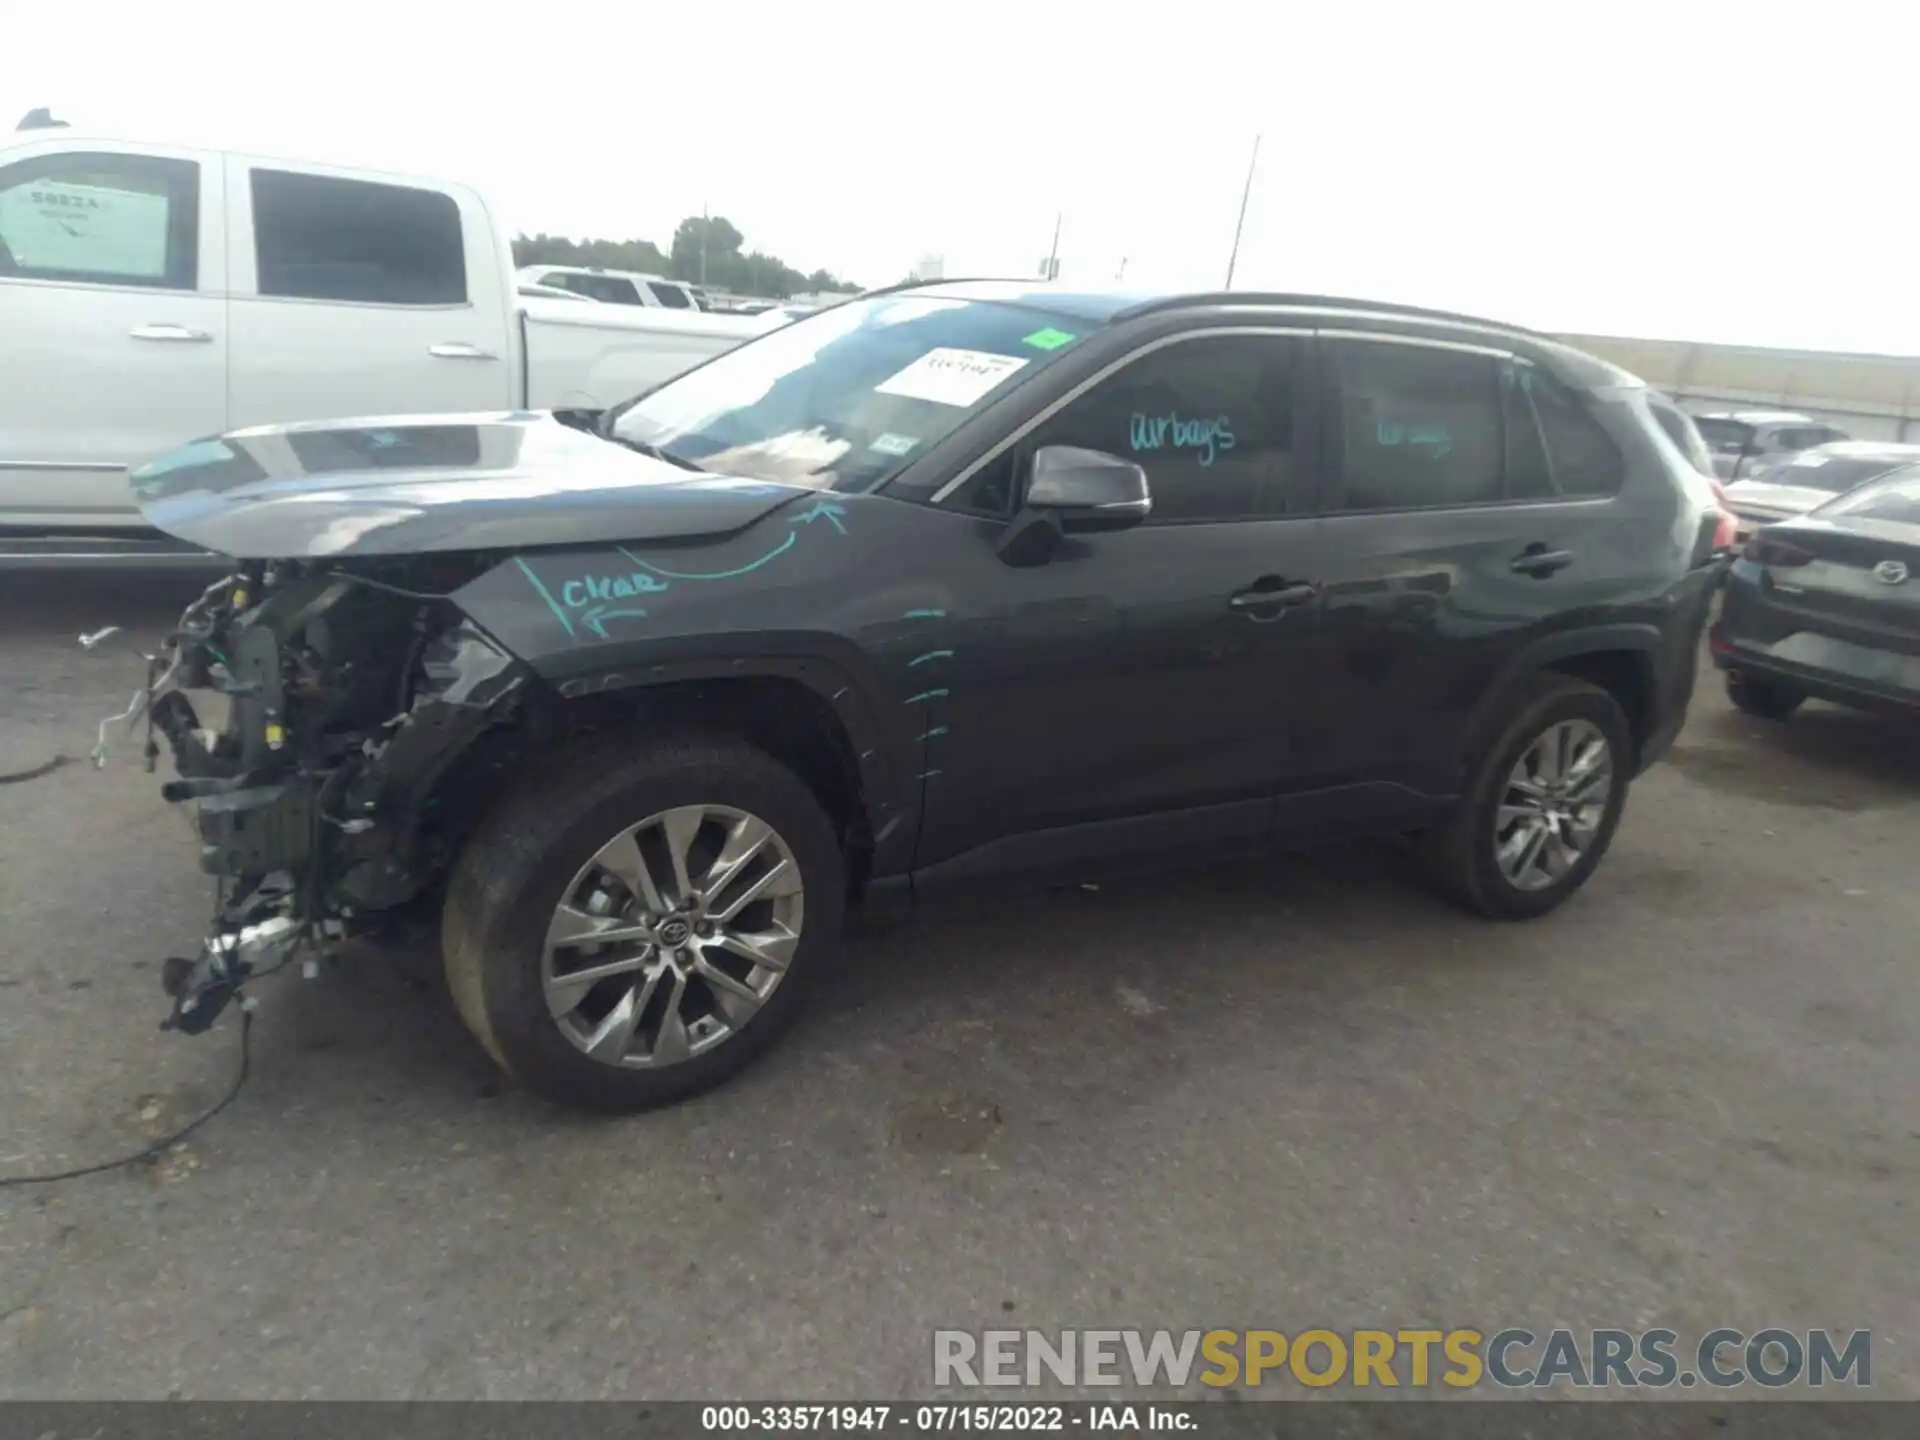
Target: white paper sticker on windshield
(891,444)
(950,377)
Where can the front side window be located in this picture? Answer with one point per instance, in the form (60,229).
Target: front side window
(317,237)
(1210,419)
(844,399)
(671,296)
(101,219)
(1416,426)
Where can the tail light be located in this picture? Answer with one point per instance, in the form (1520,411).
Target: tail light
(1726,534)
(1763,550)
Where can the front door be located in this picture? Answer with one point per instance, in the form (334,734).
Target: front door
(358,297)
(113,328)
(1138,690)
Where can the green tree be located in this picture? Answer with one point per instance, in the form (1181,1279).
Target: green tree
(704,247)
(642,255)
(725,267)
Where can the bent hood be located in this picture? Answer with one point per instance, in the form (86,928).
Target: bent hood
(418,484)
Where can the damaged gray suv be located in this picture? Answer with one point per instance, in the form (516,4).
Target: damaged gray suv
(953,585)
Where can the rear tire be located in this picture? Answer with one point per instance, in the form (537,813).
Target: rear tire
(1762,699)
(1464,856)
(519,884)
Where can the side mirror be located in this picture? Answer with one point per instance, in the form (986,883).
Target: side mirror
(1087,490)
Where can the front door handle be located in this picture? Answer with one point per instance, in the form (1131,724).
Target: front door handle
(1278,597)
(170,332)
(1540,562)
(460,350)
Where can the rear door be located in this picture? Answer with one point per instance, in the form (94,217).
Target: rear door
(1448,542)
(357,296)
(113,324)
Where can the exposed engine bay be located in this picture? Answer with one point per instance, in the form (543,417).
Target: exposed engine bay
(327,722)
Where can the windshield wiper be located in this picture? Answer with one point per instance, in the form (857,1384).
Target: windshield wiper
(654,452)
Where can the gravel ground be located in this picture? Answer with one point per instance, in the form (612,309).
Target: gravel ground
(1300,1092)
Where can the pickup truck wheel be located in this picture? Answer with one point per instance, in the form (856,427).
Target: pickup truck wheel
(629,929)
(1543,805)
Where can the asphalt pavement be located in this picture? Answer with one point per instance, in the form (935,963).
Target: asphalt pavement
(1291,1093)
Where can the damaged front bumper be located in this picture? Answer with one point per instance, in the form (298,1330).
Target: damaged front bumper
(316,797)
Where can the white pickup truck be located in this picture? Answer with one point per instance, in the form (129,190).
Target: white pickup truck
(152,295)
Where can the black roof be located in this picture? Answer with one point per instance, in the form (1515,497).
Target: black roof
(1104,305)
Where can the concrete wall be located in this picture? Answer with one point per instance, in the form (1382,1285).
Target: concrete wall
(1875,397)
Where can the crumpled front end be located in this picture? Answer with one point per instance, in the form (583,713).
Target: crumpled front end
(324,721)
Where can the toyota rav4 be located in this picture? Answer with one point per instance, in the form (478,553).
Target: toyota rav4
(958,584)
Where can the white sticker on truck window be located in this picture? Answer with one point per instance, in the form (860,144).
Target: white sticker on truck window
(950,377)
(891,444)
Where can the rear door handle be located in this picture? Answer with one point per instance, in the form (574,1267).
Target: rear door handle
(170,332)
(460,350)
(1540,562)
(1283,597)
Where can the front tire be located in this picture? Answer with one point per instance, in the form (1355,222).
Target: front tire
(639,921)
(1763,699)
(1543,805)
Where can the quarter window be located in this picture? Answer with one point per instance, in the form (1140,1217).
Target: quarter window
(1418,426)
(318,237)
(1211,420)
(101,219)
(671,296)
(1584,459)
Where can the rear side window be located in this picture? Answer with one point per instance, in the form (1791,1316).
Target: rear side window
(1802,437)
(317,237)
(612,289)
(1581,455)
(1727,437)
(671,296)
(101,219)
(1417,427)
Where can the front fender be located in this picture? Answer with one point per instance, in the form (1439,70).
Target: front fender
(831,593)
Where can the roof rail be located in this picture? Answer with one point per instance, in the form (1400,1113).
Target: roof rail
(1316,302)
(951,280)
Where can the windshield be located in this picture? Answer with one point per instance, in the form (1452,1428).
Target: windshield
(1728,437)
(1896,498)
(843,399)
(1836,474)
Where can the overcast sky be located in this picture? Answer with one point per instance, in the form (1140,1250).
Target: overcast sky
(1692,170)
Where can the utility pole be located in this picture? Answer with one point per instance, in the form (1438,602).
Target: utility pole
(706,226)
(1053,255)
(1121,273)
(1241,222)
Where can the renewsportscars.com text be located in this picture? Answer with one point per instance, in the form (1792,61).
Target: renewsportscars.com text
(1512,1358)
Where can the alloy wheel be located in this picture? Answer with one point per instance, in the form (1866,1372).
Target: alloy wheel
(673,936)
(1553,803)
